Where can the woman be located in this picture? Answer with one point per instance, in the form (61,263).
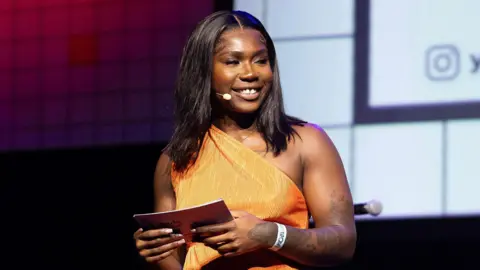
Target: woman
(233,140)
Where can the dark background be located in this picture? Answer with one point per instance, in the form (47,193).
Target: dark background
(72,209)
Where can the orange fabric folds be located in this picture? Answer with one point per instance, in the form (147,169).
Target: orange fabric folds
(246,181)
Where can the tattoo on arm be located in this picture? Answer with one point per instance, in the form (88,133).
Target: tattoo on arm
(330,237)
(309,246)
(327,242)
(263,233)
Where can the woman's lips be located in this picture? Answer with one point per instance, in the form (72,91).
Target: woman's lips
(248,94)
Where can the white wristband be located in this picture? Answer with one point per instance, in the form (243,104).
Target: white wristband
(281,237)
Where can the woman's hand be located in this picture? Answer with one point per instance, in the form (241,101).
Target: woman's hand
(158,244)
(243,234)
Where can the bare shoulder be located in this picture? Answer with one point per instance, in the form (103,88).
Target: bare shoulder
(163,189)
(314,141)
(325,183)
(163,166)
(310,131)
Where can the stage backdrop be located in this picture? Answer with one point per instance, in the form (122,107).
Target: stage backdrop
(396,86)
(87,73)
(85,88)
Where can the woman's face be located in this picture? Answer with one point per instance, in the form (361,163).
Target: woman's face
(242,69)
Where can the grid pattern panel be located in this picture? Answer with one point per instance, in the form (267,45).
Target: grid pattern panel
(81,73)
(316,65)
(416,168)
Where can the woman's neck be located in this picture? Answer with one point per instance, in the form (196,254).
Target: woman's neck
(235,123)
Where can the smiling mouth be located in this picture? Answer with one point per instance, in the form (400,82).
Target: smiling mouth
(248,94)
(250,91)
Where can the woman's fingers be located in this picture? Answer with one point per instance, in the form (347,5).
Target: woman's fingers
(159,257)
(141,244)
(159,250)
(137,233)
(155,245)
(153,234)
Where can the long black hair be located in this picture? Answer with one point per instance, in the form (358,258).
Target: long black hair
(193,104)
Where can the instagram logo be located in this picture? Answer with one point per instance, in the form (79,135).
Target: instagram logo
(442,62)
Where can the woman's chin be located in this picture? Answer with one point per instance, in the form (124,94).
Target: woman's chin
(245,108)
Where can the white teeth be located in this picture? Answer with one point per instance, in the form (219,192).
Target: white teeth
(249,91)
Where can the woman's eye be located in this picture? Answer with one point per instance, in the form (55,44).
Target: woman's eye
(232,62)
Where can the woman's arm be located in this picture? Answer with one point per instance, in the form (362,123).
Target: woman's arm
(164,198)
(329,200)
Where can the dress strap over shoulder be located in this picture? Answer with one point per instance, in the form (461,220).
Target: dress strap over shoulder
(245,181)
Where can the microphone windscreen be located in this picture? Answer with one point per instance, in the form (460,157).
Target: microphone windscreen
(225,96)
(374,207)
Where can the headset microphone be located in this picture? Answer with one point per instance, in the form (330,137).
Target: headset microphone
(225,96)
